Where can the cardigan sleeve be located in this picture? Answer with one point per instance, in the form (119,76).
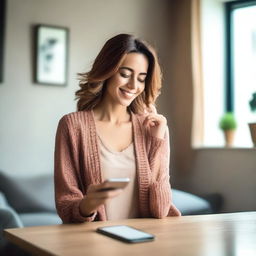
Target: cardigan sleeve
(160,189)
(68,195)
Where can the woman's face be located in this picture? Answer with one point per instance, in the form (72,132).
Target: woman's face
(129,81)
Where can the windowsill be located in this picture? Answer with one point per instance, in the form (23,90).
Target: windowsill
(224,148)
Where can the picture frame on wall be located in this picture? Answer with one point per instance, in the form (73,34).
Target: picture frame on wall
(51,55)
(2,32)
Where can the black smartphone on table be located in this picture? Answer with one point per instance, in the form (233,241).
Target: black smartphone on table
(126,234)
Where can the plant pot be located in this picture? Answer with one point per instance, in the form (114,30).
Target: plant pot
(229,137)
(252,127)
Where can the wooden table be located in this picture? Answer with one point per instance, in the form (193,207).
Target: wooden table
(217,235)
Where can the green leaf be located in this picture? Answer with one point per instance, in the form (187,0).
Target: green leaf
(252,102)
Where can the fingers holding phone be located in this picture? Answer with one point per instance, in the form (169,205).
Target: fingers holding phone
(96,197)
(100,193)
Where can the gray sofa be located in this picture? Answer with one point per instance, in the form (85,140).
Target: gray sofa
(190,204)
(25,201)
(32,198)
(29,201)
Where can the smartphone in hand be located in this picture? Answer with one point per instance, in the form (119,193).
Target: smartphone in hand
(115,183)
(126,234)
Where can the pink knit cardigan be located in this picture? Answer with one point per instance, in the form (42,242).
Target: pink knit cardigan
(77,165)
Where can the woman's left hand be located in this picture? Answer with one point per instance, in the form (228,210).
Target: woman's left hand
(156,124)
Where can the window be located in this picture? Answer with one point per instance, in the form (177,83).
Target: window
(241,65)
(213,70)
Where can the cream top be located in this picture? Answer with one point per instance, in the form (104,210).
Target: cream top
(120,165)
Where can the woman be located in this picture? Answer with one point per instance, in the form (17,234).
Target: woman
(115,134)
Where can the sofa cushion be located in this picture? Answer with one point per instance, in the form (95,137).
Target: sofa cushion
(39,219)
(28,194)
(8,219)
(190,204)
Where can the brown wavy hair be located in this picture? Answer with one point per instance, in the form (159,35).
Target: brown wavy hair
(106,64)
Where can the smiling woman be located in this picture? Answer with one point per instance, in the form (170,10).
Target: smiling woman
(107,64)
(115,134)
(129,82)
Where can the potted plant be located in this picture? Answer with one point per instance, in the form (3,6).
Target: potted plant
(252,126)
(228,125)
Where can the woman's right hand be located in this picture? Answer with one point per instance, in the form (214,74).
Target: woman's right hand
(96,196)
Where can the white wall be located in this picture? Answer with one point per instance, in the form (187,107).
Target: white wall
(228,172)
(29,112)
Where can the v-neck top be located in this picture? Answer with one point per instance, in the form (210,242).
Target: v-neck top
(77,165)
(120,165)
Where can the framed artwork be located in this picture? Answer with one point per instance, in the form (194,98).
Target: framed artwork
(51,55)
(2,29)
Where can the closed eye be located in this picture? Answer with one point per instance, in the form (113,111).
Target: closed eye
(125,75)
(141,80)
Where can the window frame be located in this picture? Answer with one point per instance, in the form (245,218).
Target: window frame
(229,8)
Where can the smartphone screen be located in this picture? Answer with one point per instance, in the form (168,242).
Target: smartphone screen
(126,234)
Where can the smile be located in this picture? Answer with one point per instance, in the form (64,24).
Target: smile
(127,93)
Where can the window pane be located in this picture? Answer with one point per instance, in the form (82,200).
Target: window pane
(244,69)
